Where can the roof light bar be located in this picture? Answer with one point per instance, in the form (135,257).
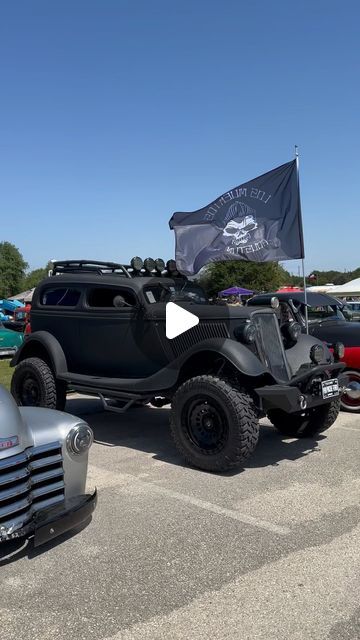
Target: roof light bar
(149,264)
(159,265)
(136,263)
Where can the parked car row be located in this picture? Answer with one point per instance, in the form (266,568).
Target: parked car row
(351,310)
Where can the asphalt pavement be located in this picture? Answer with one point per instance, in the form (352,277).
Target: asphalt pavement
(269,552)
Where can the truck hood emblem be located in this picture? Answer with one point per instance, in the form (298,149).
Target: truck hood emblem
(7,443)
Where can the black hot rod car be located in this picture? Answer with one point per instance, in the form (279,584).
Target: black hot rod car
(100,328)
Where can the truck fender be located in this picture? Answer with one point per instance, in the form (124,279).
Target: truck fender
(39,344)
(234,352)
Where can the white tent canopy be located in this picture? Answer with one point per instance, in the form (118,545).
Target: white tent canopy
(349,289)
(25,296)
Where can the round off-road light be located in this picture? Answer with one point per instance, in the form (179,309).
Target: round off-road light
(79,438)
(317,353)
(159,265)
(136,263)
(291,331)
(294,331)
(171,265)
(274,302)
(246,332)
(339,350)
(149,264)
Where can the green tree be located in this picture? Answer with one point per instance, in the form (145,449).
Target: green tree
(12,270)
(35,276)
(250,275)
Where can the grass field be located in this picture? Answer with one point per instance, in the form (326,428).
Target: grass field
(5,373)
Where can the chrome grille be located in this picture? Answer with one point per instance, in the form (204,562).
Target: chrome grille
(30,481)
(202,331)
(270,345)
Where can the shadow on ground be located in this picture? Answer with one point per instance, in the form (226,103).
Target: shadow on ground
(147,429)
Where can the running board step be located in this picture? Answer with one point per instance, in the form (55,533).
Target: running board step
(110,407)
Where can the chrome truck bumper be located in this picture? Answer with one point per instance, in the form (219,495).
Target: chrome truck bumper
(53,521)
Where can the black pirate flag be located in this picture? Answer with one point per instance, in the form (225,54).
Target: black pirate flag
(258,221)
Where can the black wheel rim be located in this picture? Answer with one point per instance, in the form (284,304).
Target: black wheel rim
(206,425)
(29,392)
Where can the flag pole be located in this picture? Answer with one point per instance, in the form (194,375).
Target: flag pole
(302,259)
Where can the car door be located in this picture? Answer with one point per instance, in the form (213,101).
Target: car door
(108,344)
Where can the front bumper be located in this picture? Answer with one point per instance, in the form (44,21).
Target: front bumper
(302,392)
(54,521)
(7,351)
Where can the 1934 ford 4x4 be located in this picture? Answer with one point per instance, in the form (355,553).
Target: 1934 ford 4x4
(43,465)
(100,328)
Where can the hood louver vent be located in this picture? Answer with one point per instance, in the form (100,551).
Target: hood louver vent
(202,331)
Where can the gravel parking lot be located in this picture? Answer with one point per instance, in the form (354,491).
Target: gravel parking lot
(269,552)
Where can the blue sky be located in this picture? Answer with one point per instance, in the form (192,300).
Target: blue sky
(115,114)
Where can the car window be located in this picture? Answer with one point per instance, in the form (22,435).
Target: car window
(62,297)
(318,313)
(110,298)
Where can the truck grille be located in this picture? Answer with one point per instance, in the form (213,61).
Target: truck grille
(202,331)
(270,345)
(30,481)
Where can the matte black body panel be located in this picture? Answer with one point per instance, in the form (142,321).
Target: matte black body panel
(50,343)
(166,378)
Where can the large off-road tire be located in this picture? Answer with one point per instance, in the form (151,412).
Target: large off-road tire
(214,426)
(33,385)
(307,424)
(350,400)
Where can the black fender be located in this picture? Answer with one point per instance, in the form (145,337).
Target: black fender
(34,346)
(236,353)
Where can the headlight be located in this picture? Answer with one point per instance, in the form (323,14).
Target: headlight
(339,350)
(291,331)
(317,353)
(274,302)
(246,332)
(79,439)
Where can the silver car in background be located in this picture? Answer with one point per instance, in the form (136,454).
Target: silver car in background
(43,468)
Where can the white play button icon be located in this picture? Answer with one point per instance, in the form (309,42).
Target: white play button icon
(178,320)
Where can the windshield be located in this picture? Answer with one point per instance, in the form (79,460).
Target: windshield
(324,312)
(352,306)
(184,291)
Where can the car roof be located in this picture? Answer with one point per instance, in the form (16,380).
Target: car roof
(313,299)
(111,279)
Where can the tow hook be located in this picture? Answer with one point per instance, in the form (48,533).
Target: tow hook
(303,403)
